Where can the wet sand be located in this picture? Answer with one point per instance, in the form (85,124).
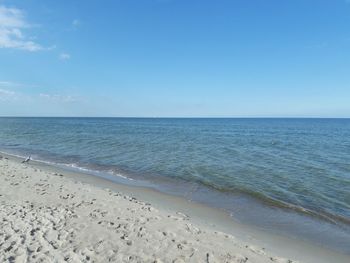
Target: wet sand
(51,215)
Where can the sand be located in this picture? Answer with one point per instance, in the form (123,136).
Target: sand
(46,216)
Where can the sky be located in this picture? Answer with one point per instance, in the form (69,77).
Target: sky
(175,58)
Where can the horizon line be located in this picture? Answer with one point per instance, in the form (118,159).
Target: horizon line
(184,117)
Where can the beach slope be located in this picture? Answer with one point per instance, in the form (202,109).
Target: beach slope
(48,217)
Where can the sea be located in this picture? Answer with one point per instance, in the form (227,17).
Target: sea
(286,175)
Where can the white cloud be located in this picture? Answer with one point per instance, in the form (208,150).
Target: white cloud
(64,56)
(12,25)
(8,91)
(7,83)
(14,85)
(4,92)
(7,95)
(60,98)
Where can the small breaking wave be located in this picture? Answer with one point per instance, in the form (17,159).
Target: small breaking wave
(74,166)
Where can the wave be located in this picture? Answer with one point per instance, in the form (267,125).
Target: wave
(273,202)
(74,166)
(101,170)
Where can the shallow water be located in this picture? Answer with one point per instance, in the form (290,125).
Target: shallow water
(299,164)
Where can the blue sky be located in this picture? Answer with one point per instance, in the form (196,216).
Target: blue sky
(206,58)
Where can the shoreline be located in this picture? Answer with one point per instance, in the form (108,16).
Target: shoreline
(199,215)
(279,221)
(159,183)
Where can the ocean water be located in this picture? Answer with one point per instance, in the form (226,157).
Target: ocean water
(301,166)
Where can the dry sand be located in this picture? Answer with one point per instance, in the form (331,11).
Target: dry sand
(46,216)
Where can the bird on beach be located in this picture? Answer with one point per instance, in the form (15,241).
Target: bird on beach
(27,159)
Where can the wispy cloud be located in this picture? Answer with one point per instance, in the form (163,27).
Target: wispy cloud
(64,56)
(60,98)
(4,92)
(7,83)
(13,91)
(12,25)
(13,85)
(6,95)
(9,90)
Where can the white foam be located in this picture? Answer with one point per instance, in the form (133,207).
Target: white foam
(71,165)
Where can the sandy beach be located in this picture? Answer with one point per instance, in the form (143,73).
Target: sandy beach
(46,216)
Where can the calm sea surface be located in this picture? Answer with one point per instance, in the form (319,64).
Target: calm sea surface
(302,165)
